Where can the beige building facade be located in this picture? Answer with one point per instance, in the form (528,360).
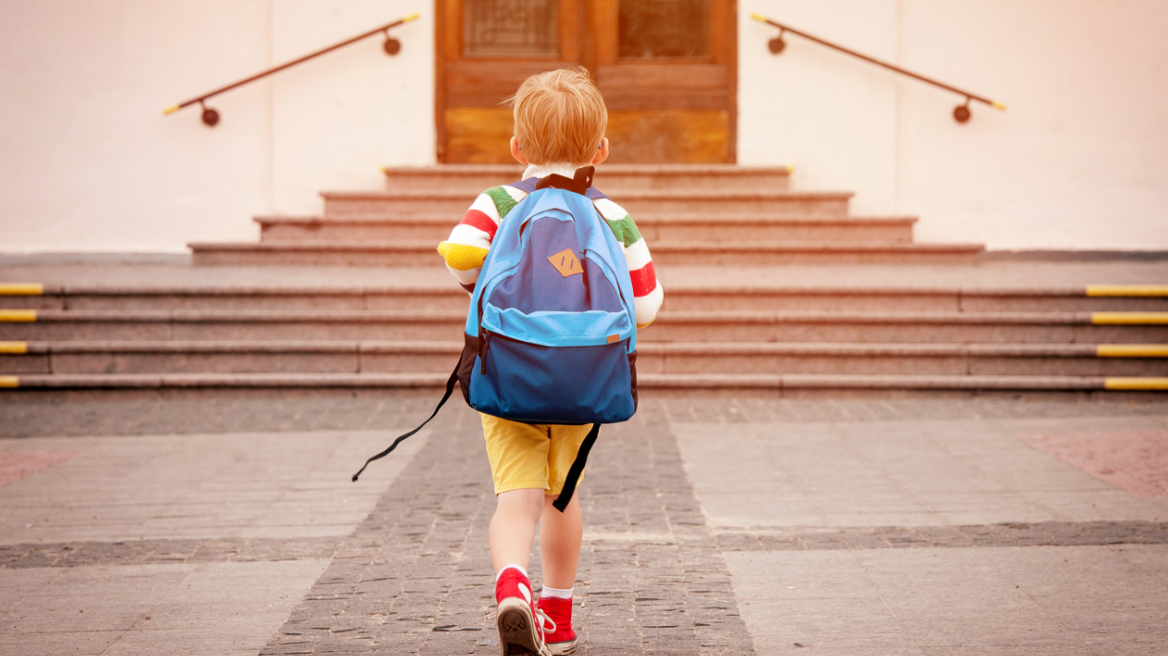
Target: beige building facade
(88,162)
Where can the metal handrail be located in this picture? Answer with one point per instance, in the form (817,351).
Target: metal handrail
(961,113)
(211,117)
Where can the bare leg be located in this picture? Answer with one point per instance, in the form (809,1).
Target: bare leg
(560,536)
(513,527)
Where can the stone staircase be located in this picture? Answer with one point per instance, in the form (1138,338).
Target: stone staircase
(691,215)
(729,321)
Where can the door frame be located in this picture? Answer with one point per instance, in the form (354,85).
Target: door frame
(596,46)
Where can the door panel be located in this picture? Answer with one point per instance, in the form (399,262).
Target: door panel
(667,69)
(697,136)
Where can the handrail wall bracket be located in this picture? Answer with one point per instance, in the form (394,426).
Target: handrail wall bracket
(210,116)
(961,113)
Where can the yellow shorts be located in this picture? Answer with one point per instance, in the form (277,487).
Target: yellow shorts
(531,455)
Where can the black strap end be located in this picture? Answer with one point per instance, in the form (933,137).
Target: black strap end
(578,184)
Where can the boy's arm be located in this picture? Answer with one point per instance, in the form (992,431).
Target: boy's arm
(469,241)
(647,291)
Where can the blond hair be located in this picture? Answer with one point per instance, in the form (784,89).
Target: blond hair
(559,117)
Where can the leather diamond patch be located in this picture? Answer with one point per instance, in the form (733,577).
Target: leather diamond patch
(566,263)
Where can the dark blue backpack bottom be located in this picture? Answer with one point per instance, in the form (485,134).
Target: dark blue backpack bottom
(542,385)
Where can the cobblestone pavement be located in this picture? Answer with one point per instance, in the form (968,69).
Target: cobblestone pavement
(317,411)
(416,575)
(695,542)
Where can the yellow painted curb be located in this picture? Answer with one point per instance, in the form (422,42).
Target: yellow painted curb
(411,17)
(758,17)
(1136,383)
(14,348)
(23,316)
(1132,351)
(21,289)
(1127,290)
(9,381)
(1129,318)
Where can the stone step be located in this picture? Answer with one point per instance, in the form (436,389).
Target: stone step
(374,357)
(665,253)
(474,178)
(671,326)
(653,383)
(449,297)
(654,228)
(655,202)
(750,295)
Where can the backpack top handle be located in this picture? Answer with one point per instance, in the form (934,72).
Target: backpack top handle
(578,184)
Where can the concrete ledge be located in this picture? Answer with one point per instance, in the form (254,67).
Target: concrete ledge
(707,349)
(72,258)
(603,169)
(647,381)
(813,381)
(231,380)
(1073,255)
(642,220)
(631,194)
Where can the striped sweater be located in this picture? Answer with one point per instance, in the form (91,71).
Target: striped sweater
(466,248)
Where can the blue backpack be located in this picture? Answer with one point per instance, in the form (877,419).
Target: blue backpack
(551,334)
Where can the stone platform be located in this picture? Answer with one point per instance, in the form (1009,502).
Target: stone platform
(713,526)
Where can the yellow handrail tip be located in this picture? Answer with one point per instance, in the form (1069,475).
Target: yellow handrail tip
(411,17)
(758,17)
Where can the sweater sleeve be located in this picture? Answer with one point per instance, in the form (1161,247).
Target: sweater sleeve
(466,247)
(647,291)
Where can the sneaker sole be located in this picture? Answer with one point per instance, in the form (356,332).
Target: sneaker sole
(517,632)
(563,648)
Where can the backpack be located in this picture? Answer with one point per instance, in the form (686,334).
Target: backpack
(551,332)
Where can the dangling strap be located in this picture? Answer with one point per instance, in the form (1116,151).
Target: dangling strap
(449,390)
(576,469)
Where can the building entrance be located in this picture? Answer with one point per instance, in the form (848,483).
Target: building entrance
(667,69)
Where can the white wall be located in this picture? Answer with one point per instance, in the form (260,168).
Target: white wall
(89,163)
(338,119)
(1079,160)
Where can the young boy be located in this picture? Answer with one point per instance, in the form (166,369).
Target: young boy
(560,119)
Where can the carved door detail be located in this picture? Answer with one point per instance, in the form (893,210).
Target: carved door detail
(667,69)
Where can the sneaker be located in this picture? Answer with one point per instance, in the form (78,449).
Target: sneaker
(521,626)
(562,640)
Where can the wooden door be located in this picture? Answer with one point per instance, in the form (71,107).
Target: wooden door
(667,69)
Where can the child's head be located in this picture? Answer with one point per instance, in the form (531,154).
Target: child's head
(559,118)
